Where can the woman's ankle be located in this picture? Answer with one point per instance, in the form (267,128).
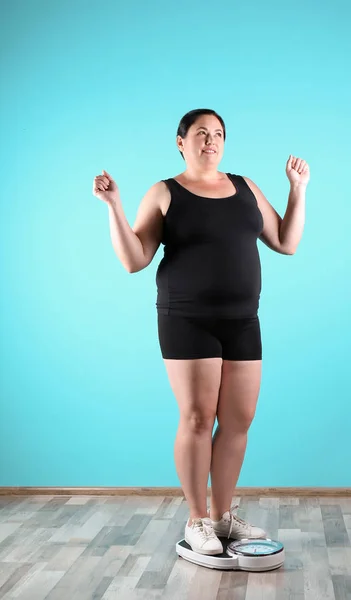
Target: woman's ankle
(191,519)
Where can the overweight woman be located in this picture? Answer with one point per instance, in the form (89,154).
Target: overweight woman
(208,291)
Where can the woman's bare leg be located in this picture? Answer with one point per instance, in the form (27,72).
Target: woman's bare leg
(237,404)
(195,384)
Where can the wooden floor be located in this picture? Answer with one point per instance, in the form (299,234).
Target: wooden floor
(123,548)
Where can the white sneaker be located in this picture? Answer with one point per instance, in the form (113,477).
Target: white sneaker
(201,537)
(231,526)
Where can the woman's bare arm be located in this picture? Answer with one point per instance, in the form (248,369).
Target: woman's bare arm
(136,246)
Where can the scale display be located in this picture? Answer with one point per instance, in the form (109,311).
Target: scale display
(254,548)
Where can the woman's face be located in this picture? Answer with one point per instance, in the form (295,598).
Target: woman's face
(204,135)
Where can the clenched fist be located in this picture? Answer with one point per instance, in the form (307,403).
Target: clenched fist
(105,188)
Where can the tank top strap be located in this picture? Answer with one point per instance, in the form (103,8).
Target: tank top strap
(170,183)
(238,181)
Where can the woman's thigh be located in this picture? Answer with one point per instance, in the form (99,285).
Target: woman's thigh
(238,395)
(194,350)
(196,384)
(240,338)
(187,338)
(192,357)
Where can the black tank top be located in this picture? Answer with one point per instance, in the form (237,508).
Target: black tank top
(211,265)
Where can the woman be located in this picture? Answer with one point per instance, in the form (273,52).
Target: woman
(209,283)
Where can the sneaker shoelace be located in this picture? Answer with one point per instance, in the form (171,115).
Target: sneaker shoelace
(235,519)
(205,529)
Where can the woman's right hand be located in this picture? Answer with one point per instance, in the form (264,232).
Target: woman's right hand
(105,188)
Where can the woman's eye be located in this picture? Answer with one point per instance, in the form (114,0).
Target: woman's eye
(219,133)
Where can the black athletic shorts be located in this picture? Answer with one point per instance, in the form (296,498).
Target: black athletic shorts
(207,337)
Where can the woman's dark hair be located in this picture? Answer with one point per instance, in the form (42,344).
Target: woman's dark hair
(189,119)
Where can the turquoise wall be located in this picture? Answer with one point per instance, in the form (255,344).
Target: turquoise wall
(85,398)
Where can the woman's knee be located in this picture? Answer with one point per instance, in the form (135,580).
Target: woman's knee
(197,421)
(240,423)
(196,385)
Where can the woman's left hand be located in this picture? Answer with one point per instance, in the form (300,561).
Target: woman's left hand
(297,170)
